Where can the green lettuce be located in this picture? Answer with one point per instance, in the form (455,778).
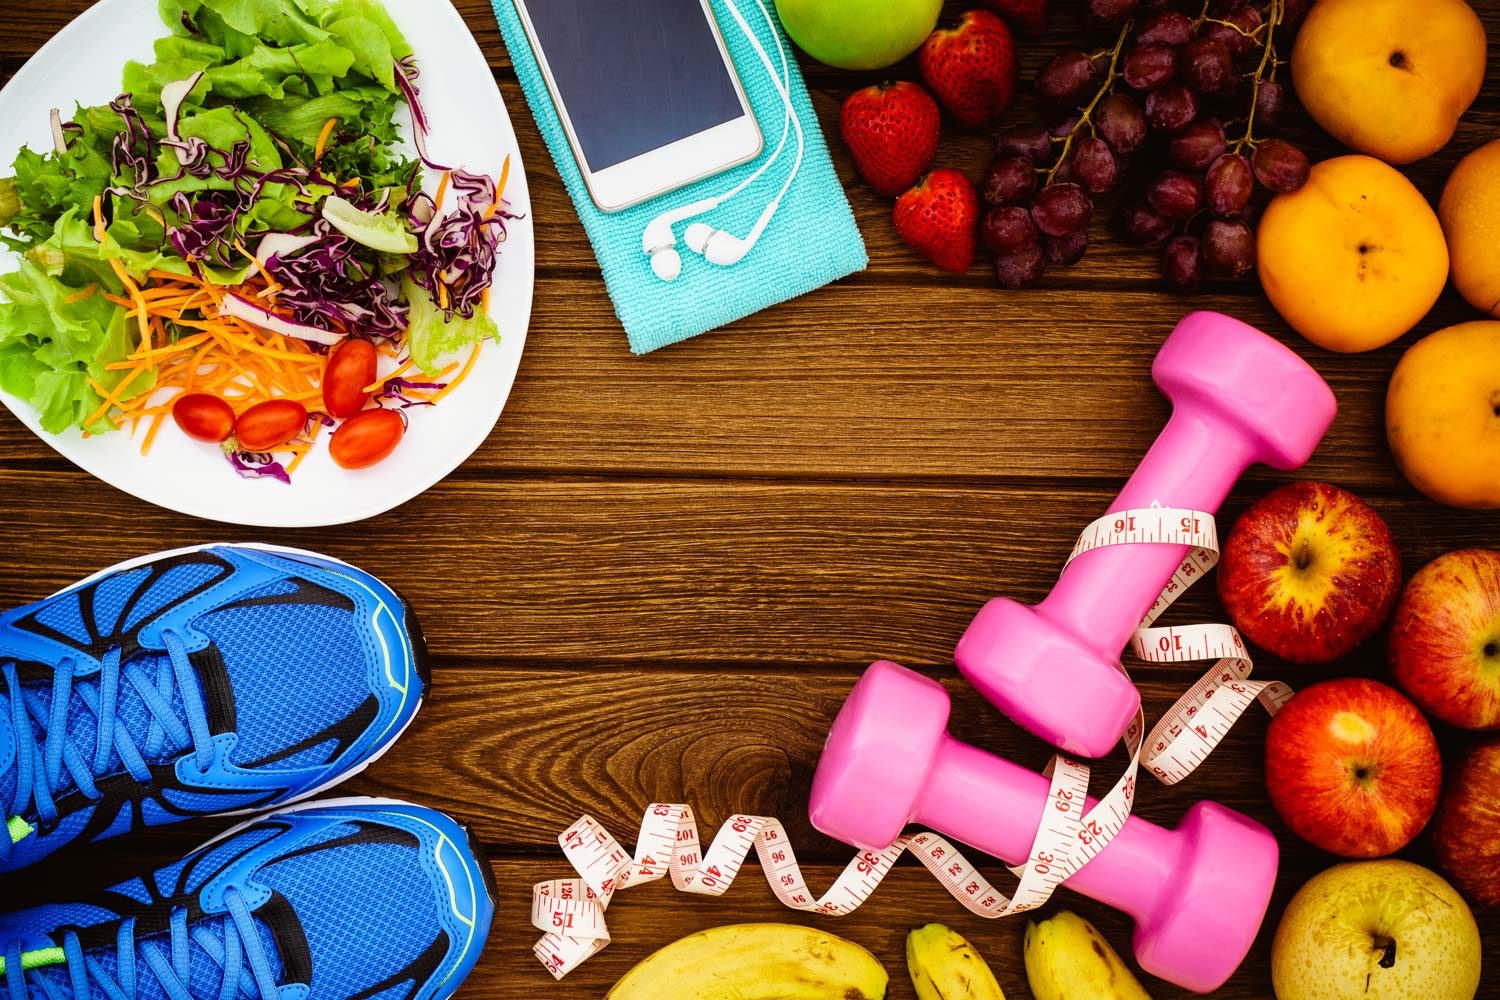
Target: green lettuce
(433,337)
(54,338)
(275,72)
(73,256)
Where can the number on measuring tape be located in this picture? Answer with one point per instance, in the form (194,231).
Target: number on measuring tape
(1200,719)
(570,912)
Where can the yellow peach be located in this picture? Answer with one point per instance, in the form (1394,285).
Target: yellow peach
(1442,415)
(1355,258)
(1389,77)
(1470,213)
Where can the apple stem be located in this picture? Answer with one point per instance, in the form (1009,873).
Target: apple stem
(1304,556)
(1387,945)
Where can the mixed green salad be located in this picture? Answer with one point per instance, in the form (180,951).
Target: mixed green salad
(247,195)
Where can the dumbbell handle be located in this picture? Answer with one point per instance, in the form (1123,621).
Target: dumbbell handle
(996,806)
(1193,465)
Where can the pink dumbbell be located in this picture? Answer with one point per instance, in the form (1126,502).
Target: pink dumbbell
(1197,893)
(1238,398)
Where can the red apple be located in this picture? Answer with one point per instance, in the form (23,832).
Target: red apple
(1445,638)
(1353,768)
(1466,830)
(1309,572)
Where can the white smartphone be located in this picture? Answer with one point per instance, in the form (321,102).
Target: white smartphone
(646,92)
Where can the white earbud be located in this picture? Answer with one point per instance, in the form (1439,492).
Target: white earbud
(724,248)
(658,242)
(717,246)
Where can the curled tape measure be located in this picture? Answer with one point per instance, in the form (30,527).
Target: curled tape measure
(570,912)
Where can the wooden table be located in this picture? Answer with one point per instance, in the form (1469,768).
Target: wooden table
(660,576)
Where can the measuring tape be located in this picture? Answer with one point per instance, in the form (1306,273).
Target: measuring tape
(570,911)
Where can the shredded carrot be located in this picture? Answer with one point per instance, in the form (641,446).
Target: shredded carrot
(122,274)
(442,189)
(156,423)
(82,293)
(186,344)
(112,399)
(312,439)
(463,374)
(499,190)
(328,128)
(270,281)
(382,380)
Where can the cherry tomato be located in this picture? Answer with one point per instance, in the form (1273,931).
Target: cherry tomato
(351,367)
(204,416)
(266,425)
(367,438)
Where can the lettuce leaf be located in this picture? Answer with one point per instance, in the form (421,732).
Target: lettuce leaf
(432,336)
(76,259)
(54,339)
(49,185)
(275,72)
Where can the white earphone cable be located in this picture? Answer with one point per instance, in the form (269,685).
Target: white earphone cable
(658,240)
(782,83)
(782,89)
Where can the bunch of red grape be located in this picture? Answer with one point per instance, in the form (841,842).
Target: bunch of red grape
(1176,115)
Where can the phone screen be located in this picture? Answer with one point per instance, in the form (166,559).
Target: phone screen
(634,75)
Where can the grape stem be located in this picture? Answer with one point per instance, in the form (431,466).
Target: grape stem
(1267,59)
(1086,115)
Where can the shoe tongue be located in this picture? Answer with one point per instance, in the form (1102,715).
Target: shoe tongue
(131,715)
(205,976)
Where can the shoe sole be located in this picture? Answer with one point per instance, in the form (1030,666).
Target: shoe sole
(418,643)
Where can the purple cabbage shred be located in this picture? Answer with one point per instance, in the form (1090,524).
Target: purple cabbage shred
(257,465)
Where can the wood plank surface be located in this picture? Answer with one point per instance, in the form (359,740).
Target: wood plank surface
(660,576)
(831,386)
(762,574)
(731,742)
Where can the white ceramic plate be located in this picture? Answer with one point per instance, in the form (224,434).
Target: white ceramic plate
(470,128)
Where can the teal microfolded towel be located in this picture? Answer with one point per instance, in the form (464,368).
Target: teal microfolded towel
(811,241)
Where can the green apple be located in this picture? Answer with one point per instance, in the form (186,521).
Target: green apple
(859,34)
(1376,930)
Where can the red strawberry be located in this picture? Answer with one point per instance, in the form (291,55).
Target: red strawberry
(892,130)
(971,68)
(1028,16)
(939,217)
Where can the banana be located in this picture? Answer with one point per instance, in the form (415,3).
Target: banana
(944,966)
(1067,958)
(755,962)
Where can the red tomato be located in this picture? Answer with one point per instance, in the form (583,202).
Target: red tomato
(367,438)
(267,425)
(204,416)
(351,367)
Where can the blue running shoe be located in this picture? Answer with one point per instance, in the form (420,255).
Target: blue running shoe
(351,899)
(220,679)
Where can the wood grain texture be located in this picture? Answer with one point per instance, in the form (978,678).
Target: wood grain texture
(912,383)
(646,918)
(497,746)
(659,578)
(763,574)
